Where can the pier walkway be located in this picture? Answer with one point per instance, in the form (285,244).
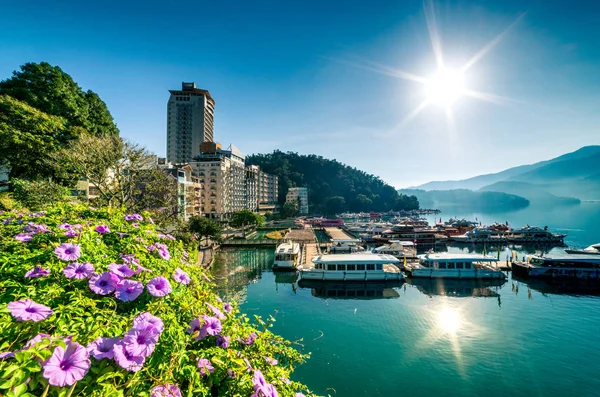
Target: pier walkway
(336,233)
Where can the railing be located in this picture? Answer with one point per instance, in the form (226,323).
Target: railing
(240,242)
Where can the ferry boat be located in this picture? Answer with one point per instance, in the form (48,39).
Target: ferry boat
(480,235)
(286,256)
(559,266)
(353,267)
(593,249)
(399,249)
(530,234)
(419,236)
(447,265)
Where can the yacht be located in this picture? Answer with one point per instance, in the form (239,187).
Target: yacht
(480,235)
(345,246)
(559,266)
(286,256)
(353,267)
(530,234)
(593,249)
(399,249)
(447,265)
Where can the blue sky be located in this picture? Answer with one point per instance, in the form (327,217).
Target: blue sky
(293,75)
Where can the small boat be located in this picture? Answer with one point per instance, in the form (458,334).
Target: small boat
(399,249)
(593,249)
(286,256)
(447,265)
(530,234)
(353,267)
(559,266)
(480,235)
(345,246)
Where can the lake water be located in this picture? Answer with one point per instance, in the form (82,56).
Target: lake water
(449,339)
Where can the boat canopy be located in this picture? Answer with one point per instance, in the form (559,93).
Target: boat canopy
(447,257)
(288,248)
(355,258)
(573,258)
(345,240)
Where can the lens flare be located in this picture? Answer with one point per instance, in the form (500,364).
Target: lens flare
(449,320)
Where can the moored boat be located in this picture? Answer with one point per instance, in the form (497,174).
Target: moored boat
(529,234)
(345,246)
(286,256)
(559,266)
(450,265)
(593,249)
(399,249)
(353,267)
(480,235)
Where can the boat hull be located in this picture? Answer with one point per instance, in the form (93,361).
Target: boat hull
(284,265)
(479,274)
(581,252)
(526,270)
(350,276)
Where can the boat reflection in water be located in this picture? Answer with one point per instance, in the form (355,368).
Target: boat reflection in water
(573,287)
(478,288)
(354,290)
(285,277)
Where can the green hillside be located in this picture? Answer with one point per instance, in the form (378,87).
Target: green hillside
(468,200)
(534,193)
(333,187)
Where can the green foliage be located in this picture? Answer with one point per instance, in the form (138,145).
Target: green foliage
(52,91)
(289,210)
(8,203)
(28,136)
(334,205)
(83,315)
(329,178)
(245,218)
(37,194)
(203,227)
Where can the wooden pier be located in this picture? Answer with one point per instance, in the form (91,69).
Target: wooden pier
(250,243)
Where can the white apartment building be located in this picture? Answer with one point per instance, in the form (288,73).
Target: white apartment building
(299,194)
(190,121)
(267,191)
(252,173)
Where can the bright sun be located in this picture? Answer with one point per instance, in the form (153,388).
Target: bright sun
(445,87)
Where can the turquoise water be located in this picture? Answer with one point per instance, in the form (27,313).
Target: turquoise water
(450,339)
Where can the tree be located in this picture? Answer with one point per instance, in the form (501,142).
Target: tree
(245,218)
(290,210)
(35,195)
(334,205)
(362,203)
(202,227)
(28,136)
(49,89)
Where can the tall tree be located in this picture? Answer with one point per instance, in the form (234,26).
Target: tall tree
(334,205)
(203,227)
(28,136)
(51,90)
(245,218)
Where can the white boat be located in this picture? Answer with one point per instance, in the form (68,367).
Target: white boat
(593,249)
(559,266)
(399,249)
(480,235)
(345,246)
(353,267)
(448,265)
(286,255)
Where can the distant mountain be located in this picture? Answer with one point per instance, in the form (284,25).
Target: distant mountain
(579,158)
(464,199)
(563,180)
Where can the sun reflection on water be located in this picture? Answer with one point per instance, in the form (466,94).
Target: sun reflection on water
(449,320)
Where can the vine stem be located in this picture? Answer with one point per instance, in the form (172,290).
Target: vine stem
(71,390)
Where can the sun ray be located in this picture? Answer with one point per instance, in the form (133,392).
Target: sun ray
(383,69)
(413,114)
(436,43)
(481,53)
(487,97)
(451,122)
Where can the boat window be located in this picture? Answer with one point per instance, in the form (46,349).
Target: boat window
(379,266)
(450,265)
(459,265)
(360,267)
(371,266)
(330,267)
(467,265)
(441,265)
(351,267)
(341,268)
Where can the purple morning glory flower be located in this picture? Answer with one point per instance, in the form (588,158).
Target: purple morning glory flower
(299,395)
(102,229)
(68,252)
(141,342)
(159,286)
(35,340)
(205,366)
(128,290)
(223,341)
(196,326)
(141,320)
(104,284)
(250,339)
(130,259)
(102,347)
(23,237)
(64,226)
(140,269)
(167,390)
(181,277)
(271,361)
(212,326)
(6,355)
(79,271)
(25,310)
(120,270)
(227,307)
(259,382)
(133,217)
(216,311)
(231,373)
(71,233)
(126,360)
(66,367)
(37,272)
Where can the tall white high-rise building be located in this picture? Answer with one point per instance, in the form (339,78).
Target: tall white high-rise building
(299,194)
(190,121)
